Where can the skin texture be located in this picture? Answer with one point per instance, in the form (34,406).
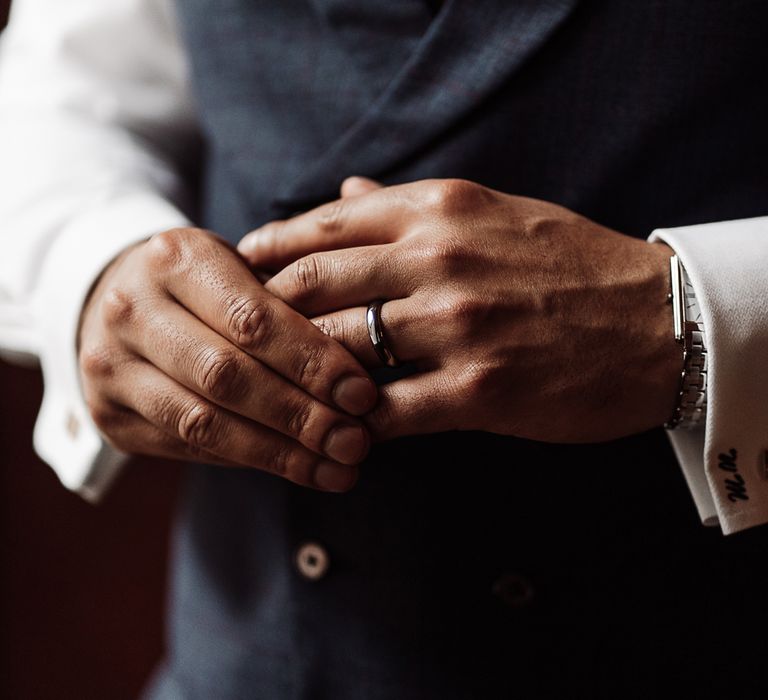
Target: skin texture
(522,317)
(184,354)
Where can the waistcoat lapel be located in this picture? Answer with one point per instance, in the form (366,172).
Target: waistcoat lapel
(377,36)
(463,57)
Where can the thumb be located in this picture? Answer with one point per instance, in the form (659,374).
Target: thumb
(357,185)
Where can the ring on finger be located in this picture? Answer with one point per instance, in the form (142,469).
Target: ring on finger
(376,334)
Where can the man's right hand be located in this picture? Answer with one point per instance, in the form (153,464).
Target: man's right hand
(184,354)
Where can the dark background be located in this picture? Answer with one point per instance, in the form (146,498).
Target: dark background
(81,586)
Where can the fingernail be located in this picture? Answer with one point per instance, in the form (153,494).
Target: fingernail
(346,444)
(330,476)
(356,395)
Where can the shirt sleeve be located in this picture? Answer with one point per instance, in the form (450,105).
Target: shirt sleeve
(95,125)
(725,464)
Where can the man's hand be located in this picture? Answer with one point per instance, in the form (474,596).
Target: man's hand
(523,317)
(184,354)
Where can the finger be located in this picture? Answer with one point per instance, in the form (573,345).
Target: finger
(216,286)
(379,216)
(401,322)
(138,436)
(133,434)
(357,185)
(206,428)
(201,360)
(325,282)
(416,405)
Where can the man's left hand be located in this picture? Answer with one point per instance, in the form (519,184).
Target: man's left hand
(522,317)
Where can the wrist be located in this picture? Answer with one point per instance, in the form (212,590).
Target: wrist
(648,360)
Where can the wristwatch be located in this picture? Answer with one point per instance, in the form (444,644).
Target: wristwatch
(691,409)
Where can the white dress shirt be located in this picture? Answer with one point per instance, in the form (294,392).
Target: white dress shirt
(95,114)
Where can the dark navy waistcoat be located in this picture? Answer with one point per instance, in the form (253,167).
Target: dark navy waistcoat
(467,565)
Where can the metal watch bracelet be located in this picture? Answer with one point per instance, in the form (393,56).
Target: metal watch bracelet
(691,409)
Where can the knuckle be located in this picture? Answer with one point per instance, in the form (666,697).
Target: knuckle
(543,227)
(326,326)
(301,423)
(331,219)
(164,408)
(104,415)
(298,419)
(298,465)
(249,321)
(166,249)
(197,426)
(305,278)
(281,459)
(97,362)
(461,319)
(312,363)
(446,255)
(535,226)
(467,315)
(219,372)
(307,272)
(170,248)
(337,328)
(118,307)
(454,195)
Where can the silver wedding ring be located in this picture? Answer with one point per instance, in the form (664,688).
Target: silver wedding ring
(376,333)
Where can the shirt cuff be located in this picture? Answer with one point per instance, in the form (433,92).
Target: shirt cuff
(725,262)
(65,436)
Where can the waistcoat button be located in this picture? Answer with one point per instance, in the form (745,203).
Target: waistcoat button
(312,561)
(514,590)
